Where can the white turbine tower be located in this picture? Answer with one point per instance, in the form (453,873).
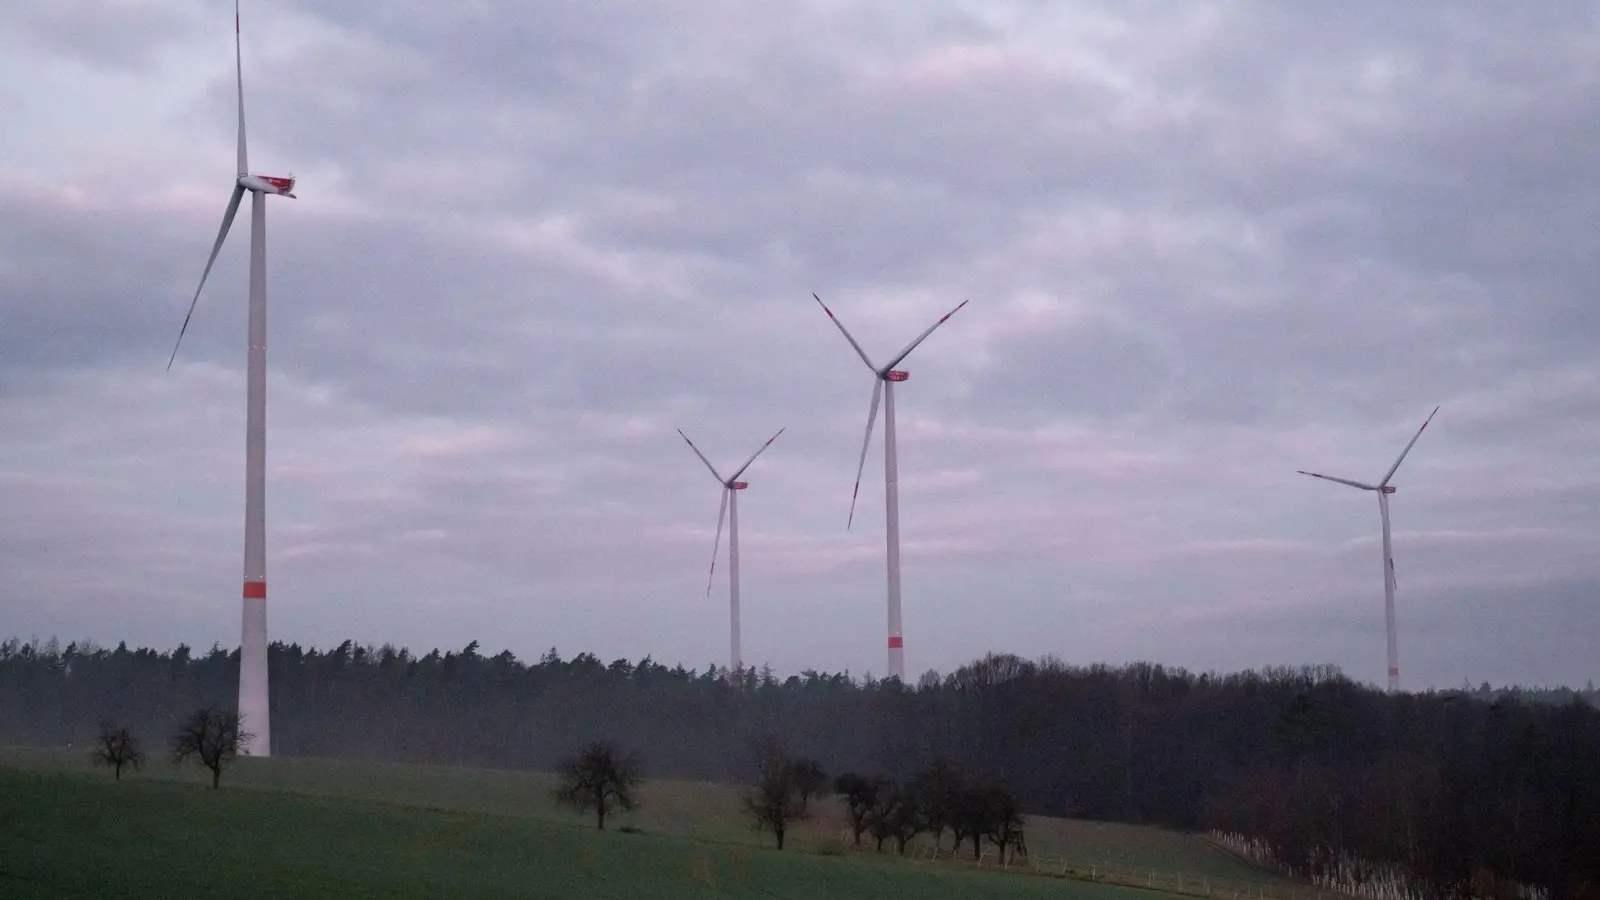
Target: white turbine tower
(253,707)
(731,487)
(884,380)
(1383,489)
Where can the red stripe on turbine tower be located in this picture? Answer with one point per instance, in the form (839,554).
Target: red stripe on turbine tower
(896,642)
(255,590)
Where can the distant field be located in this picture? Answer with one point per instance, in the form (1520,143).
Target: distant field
(71,835)
(1138,847)
(671,809)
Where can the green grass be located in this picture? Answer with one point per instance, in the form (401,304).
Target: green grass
(71,835)
(692,814)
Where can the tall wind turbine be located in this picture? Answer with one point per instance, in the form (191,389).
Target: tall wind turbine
(253,645)
(1383,489)
(884,380)
(731,487)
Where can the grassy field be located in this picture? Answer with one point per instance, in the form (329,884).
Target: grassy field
(683,809)
(384,829)
(70,835)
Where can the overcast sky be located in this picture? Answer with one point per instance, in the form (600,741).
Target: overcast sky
(1204,245)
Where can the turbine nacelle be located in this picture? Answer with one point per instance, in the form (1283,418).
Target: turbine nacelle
(738,485)
(1388,489)
(896,375)
(268,184)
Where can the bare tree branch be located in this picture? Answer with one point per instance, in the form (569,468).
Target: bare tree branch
(783,791)
(601,778)
(212,737)
(116,747)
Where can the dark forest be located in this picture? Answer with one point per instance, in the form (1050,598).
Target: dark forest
(1477,792)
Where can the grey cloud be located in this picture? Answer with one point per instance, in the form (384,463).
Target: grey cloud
(117,37)
(1097,369)
(78,286)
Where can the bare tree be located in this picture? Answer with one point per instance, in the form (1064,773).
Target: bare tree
(938,788)
(974,816)
(778,801)
(117,747)
(1005,823)
(896,815)
(213,737)
(860,794)
(601,778)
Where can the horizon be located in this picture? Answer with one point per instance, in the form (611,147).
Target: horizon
(1329,670)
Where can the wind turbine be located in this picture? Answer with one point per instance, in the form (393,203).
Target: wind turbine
(253,708)
(731,487)
(884,380)
(1383,489)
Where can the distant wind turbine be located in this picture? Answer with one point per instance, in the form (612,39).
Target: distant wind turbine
(884,380)
(1383,489)
(731,486)
(253,707)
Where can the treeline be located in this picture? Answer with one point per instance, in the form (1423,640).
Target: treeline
(1465,795)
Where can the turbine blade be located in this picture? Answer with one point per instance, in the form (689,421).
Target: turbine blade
(222,234)
(1354,484)
(717,544)
(720,479)
(1394,468)
(860,352)
(238,68)
(872,416)
(753,456)
(924,336)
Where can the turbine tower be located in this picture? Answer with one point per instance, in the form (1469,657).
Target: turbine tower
(1383,489)
(731,487)
(253,708)
(884,380)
